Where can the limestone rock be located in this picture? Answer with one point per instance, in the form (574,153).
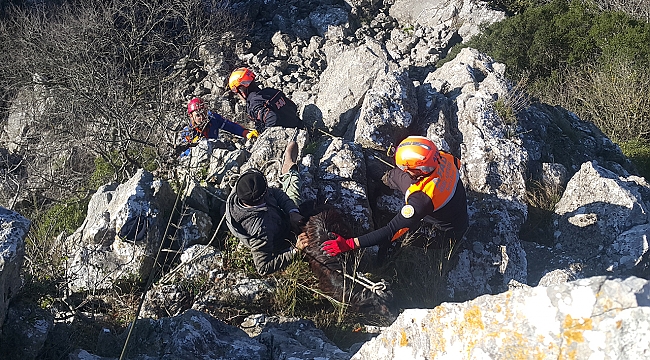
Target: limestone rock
(588,318)
(13,231)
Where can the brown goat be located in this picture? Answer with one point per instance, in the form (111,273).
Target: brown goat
(329,270)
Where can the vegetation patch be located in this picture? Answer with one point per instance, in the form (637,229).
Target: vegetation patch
(590,61)
(639,152)
(541,199)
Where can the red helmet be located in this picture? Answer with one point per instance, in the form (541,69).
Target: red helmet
(417,153)
(240,77)
(195,104)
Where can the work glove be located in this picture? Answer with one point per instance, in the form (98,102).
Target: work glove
(338,245)
(251,134)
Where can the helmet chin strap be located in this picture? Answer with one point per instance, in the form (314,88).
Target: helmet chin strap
(242,93)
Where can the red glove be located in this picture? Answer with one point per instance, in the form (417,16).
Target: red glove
(338,245)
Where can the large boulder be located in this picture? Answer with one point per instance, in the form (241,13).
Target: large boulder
(292,338)
(341,174)
(267,154)
(25,332)
(13,231)
(603,220)
(190,335)
(121,234)
(344,83)
(388,109)
(586,319)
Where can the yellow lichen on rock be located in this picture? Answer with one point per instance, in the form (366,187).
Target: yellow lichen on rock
(573,330)
(403,341)
(473,318)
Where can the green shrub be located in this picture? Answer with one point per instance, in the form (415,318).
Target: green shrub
(545,38)
(613,94)
(589,61)
(512,7)
(509,105)
(103,174)
(639,152)
(44,272)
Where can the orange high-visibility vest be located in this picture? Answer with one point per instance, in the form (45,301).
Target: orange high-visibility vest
(440,186)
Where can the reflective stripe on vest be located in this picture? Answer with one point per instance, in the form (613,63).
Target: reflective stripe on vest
(441,185)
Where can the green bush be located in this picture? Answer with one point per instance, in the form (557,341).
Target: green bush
(589,61)
(513,7)
(545,38)
(639,152)
(44,272)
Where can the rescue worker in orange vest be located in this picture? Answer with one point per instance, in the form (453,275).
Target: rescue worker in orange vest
(267,107)
(433,191)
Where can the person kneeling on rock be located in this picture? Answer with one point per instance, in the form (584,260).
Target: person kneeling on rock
(434,193)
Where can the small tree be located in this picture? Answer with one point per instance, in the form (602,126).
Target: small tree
(109,70)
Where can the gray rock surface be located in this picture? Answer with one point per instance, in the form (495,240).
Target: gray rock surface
(98,256)
(292,338)
(339,101)
(389,108)
(13,231)
(190,335)
(468,14)
(494,171)
(585,319)
(602,218)
(25,332)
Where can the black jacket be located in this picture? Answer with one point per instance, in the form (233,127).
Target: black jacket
(265,229)
(271,107)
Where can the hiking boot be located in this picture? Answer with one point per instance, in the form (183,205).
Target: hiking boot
(290,157)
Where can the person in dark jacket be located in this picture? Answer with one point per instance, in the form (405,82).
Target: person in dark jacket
(205,124)
(264,218)
(433,191)
(268,107)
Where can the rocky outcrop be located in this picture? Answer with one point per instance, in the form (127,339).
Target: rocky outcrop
(494,170)
(190,335)
(338,102)
(590,318)
(291,338)
(364,78)
(603,220)
(25,332)
(121,234)
(465,16)
(13,231)
(195,334)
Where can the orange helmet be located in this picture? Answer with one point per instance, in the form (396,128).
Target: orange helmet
(195,104)
(417,153)
(240,77)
